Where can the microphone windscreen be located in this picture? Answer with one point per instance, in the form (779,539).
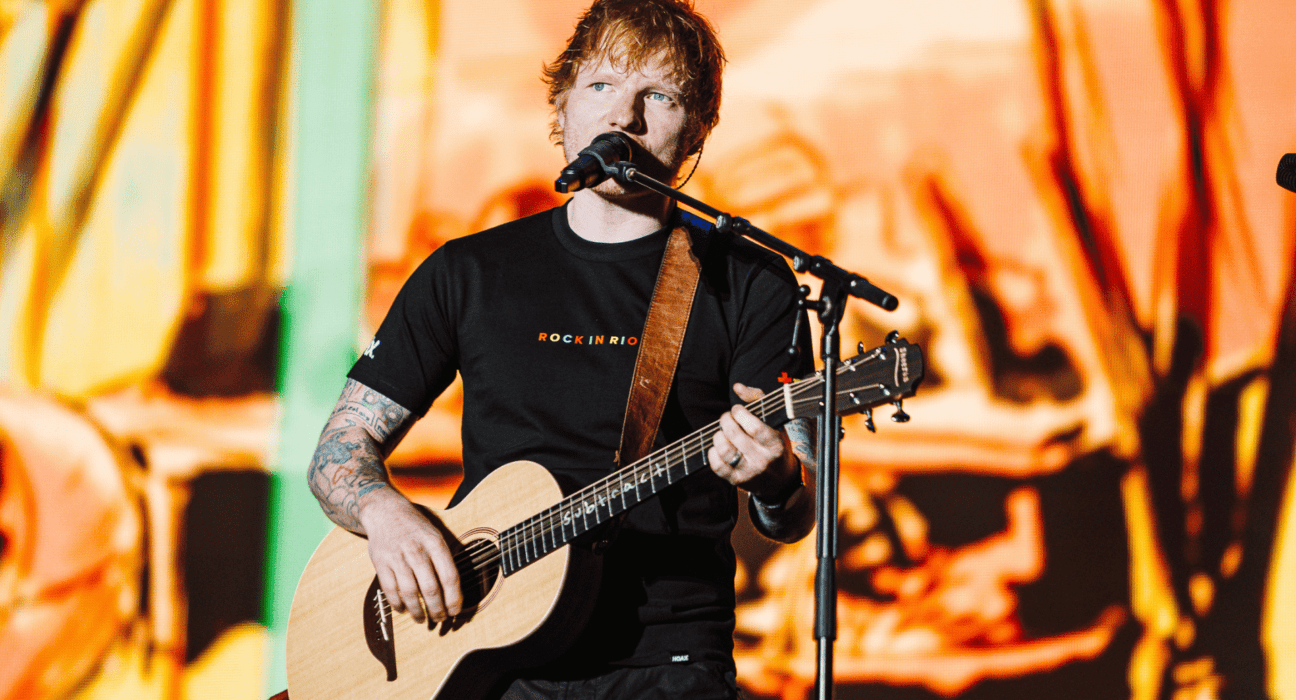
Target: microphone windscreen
(1287,172)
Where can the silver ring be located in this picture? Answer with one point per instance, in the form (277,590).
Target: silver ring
(734,462)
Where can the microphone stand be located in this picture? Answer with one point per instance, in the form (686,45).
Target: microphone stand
(838,285)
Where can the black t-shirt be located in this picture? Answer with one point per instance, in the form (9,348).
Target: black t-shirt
(544,327)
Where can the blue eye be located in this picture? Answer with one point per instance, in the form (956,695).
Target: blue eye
(599,86)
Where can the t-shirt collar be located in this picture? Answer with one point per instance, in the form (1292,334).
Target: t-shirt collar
(644,246)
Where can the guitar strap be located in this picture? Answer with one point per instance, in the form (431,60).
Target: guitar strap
(659,347)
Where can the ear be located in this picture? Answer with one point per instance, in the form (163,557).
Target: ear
(560,115)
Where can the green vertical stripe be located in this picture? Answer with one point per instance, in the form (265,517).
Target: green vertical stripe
(334,44)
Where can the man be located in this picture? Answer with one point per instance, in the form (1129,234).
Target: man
(542,318)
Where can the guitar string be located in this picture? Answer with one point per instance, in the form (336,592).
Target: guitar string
(546,522)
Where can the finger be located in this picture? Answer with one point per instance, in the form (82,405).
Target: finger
(409,593)
(747,393)
(752,425)
(738,436)
(428,585)
(721,453)
(387,583)
(448,575)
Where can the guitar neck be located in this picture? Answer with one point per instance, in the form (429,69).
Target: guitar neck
(637,482)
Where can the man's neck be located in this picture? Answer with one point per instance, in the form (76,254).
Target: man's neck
(601,220)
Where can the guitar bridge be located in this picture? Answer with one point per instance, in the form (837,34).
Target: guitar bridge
(379,632)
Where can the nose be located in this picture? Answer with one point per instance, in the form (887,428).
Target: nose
(626,113)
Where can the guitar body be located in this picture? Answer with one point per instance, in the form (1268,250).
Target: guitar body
(341,643)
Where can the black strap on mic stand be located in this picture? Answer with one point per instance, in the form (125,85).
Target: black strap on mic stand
(838,285)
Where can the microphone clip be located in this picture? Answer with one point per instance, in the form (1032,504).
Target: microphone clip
(596,163)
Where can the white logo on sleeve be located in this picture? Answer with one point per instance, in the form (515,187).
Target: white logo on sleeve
(373,345)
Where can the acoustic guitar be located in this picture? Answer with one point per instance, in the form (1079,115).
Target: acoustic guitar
(526,592)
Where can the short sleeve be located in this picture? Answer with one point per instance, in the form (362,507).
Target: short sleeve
(412,358)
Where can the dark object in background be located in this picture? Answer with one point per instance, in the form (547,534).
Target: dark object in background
(1287,172)
(224,556)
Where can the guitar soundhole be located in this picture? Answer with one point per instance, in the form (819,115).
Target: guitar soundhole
(479,566)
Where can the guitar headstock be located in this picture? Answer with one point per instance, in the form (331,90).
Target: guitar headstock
(885,374)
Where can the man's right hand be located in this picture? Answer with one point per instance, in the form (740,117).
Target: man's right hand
(410,557)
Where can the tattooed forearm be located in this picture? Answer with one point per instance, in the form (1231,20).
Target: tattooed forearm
(794,519)
(803,443)
(348,464)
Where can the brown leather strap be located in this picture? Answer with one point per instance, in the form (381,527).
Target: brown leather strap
(659,346)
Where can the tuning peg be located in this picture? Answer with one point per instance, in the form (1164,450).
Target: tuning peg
(860,347)
(868,420)
(899,416)
(893,337)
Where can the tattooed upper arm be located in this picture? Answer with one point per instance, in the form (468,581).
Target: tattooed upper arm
(384,419)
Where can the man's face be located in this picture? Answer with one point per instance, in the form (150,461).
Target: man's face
(644,104)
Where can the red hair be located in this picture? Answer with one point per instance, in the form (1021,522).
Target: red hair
(634,32)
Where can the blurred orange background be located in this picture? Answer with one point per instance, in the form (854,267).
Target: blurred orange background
(208,205)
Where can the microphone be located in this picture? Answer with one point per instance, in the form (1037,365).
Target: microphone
(1287,172)
(594,163)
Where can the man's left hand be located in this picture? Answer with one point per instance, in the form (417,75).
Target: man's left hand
(748,453)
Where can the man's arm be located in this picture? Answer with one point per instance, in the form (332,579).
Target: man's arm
(767,464)
(350,482)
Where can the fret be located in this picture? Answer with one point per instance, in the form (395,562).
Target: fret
(529,540)
(557,533)
(536,538)
(567,521)
(665,464)
(547,529)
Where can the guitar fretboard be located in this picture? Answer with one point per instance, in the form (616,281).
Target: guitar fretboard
(622,490)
